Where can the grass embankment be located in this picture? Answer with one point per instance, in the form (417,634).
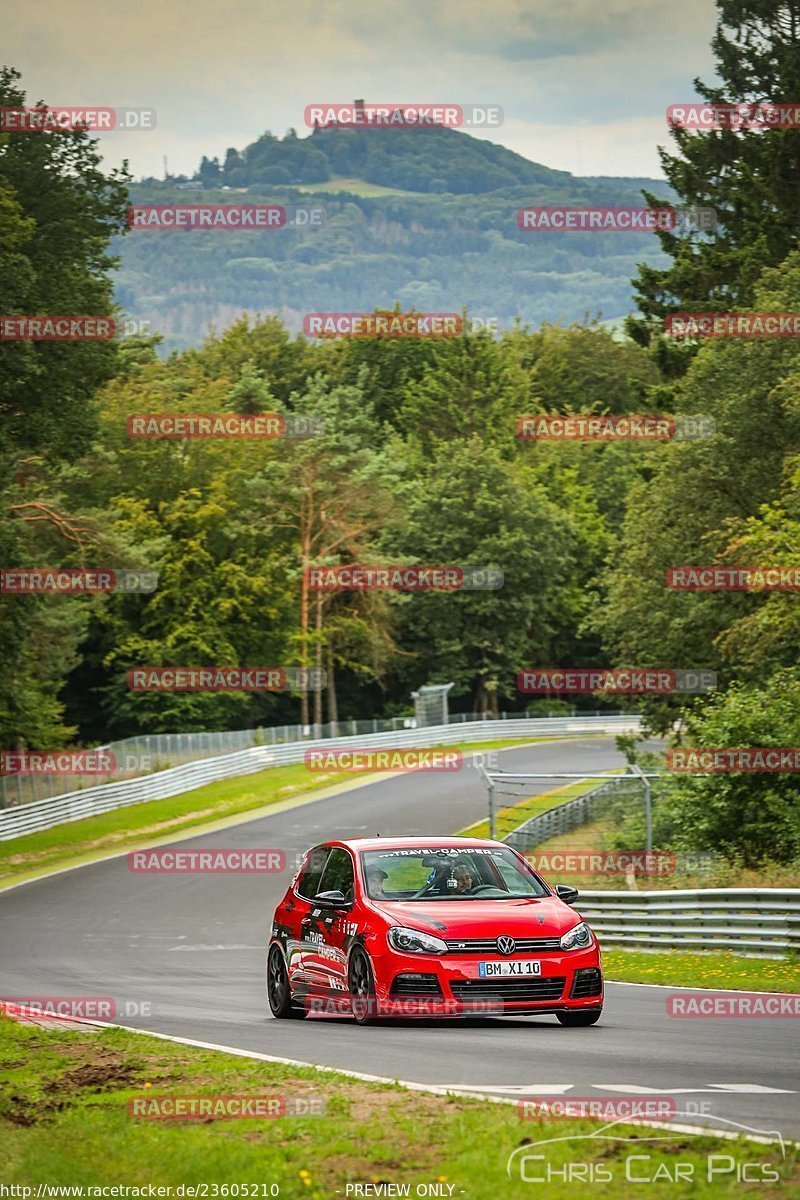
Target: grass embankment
(716,969)
(155,820)
(674,968)
(716,873)
(64,1120)
(510,817)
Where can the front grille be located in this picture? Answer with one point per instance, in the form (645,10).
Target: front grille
(415,985)
(489,945)
(587,982)
(509,989)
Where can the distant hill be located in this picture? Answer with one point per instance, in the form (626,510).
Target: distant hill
(422,217)
(432,159)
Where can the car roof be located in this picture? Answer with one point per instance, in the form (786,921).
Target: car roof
(414,843)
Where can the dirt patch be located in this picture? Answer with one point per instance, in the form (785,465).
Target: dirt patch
(94,1077)
(21,1111)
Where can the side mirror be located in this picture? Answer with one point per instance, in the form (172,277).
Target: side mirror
(568,894)
(330,900)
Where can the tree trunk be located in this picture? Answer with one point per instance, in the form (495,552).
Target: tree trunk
(333,708)
(318,665)
(305,562)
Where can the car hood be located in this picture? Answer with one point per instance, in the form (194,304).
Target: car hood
(540,916)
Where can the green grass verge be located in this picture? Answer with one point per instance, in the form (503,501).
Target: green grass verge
(65,1121)
(713,969)
(603,835)
(154,820)
(510,817)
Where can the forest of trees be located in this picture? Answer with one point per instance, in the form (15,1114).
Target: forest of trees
(417,160)
(418,462)
(443,236)
(437,253)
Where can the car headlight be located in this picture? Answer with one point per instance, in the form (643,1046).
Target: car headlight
(411,941)
(577,938)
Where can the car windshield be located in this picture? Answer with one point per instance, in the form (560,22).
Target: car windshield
(448,873)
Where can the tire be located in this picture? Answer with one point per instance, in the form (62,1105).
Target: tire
(279,992)
(361,984)
(574,1019)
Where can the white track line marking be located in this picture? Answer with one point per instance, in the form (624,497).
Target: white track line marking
(717,1089)
(685,987)
(409,1085)
(521,1089)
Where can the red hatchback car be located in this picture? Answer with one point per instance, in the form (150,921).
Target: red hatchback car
(429,927)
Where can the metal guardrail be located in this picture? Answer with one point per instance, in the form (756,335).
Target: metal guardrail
(759,920)
(147,752)
(569,815)
(43,814)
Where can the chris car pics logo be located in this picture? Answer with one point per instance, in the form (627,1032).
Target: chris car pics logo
(620,1155)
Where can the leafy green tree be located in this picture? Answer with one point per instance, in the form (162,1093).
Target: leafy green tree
(753,817)
(749,177)
(767,636)
(58,211)
(250,394)
(469,388)
(210,172)
(473,507)
(694,493)
(328,494)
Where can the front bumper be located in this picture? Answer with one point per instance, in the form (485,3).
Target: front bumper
(452,985)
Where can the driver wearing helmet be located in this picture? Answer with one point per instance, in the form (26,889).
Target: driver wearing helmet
(464,878)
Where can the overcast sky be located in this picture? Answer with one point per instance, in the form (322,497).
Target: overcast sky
(583,85)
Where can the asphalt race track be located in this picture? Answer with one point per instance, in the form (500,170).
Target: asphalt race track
(192,948)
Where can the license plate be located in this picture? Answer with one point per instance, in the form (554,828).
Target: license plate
(519,966)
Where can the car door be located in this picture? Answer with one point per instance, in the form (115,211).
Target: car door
(329,931)
(301,946)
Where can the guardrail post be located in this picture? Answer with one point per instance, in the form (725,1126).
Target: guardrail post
(648,806)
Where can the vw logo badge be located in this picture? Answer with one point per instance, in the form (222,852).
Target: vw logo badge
(506,945)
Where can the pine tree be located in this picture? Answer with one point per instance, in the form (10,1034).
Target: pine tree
(750,177)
